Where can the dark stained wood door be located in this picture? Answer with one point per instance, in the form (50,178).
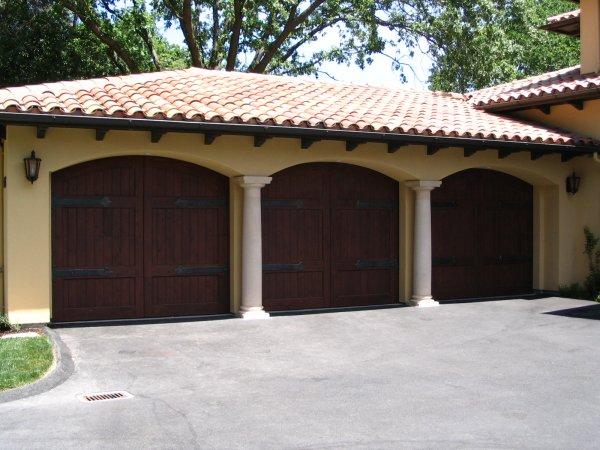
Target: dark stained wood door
(482,226)
(139,237)
(186,251)
(330,238)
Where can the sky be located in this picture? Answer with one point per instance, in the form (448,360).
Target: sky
(379,73)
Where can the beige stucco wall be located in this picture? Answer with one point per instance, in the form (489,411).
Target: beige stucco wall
(585,122)
(558,223)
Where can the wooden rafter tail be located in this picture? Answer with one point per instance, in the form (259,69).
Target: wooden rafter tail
(156,135)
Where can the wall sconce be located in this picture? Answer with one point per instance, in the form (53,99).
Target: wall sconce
(32,167)
(573,184)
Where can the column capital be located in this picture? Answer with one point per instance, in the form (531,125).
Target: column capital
(253,181)
(423,185)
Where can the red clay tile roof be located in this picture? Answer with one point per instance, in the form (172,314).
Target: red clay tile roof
(218,96)
(567,23)
(564,16)
(549,86)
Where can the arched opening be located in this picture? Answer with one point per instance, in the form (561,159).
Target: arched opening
(330,237)
(139,236)
(482,235)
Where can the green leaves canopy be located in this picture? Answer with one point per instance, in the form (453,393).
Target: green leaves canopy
(472,43)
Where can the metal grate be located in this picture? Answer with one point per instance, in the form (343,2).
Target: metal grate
(104,396)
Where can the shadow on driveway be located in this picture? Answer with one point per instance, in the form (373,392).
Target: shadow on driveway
(583,312)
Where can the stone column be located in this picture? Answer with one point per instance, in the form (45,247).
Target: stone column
(252,307)
(422,264)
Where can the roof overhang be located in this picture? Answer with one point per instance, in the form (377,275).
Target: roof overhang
(570,27)
(307,136)
(544,102)
(567,23)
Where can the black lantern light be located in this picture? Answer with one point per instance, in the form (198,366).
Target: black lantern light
(32,167)
(573,184)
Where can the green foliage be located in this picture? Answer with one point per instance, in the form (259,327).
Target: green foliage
(483,43)
(592,251)
(473,43)
(4,323)
(23,360)
(39,42)
(590,290)
(573,290)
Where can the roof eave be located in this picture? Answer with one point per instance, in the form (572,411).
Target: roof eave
(218,128)
(570,27)
(541,100)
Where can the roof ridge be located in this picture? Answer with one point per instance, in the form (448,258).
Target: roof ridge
(171,73)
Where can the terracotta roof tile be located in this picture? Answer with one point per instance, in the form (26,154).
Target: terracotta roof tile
(549,85)
(217,96)
(570,15)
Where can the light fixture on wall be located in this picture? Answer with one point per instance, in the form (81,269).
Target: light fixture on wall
(32,167)
(573,184)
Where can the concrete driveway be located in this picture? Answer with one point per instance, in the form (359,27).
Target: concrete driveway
(501,374)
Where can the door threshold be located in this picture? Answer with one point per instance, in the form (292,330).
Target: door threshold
(300,312)
(140,321)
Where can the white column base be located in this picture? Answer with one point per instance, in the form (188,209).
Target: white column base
(423,302)
(253,314)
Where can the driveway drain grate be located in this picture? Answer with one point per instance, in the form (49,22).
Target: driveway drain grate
(104,396)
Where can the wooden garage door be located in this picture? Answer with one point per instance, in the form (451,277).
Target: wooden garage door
(482,225)
(330,238)
(139,237)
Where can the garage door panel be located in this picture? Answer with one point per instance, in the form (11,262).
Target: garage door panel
(185,236)
(295,290)
(363,234)
(364,287)
(454,281)
(330,218)
(187,295)
(487,217)
(186,239)
(300,229)
(144,225)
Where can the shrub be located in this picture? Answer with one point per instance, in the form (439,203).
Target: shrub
(574,290)
(4,323)
(592,251)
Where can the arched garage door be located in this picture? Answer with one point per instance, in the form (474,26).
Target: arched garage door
(139,237)
(330,238)
(482,225)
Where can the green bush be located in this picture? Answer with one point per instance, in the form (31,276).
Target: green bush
(592,251)
(591,287)
(573,290)
(4,323)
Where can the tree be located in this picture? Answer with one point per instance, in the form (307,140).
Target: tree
(479,44)
(473,43)
(39,42)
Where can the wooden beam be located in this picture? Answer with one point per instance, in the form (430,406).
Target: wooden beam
(536,155)
(260,139)
(41,131)
(155,135)
(432,149)
(393,147)
(470,151)
(503,153)
(546,109)
(209,138)
(577,104)
(351,145)
(100,133)
(306,142)
(564,156)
